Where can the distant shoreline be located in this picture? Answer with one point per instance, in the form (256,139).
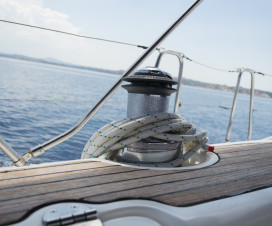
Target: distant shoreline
(59,63)
(225,88)
(185,81)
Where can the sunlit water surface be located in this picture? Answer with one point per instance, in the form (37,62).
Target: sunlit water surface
(25,123)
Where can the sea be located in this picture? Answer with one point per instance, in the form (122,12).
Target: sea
(40,101)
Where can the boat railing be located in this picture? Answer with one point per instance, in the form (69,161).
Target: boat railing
(180,58)
(241,71)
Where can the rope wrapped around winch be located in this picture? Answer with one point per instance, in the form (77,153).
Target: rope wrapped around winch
(166,126)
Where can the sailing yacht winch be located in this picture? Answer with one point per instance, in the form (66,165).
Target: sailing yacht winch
(151,136)
(235,191)
(149,93)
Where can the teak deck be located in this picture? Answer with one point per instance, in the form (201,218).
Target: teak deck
(242,168)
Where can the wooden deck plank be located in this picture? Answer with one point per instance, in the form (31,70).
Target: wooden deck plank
(6,218)
(121,186)
(242,158)
(161,187)
(241,168)
(241,147)
(62,176)
(212,192)
(114,172)
(250,148)
(254,152)
(145,192)
(85,172)
(25,172)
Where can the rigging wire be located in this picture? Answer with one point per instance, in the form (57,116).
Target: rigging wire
(73,34)
(122,43)
(208,66)
(260,73)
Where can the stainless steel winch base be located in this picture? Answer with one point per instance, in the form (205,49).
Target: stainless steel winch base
(149,152)
(141,104)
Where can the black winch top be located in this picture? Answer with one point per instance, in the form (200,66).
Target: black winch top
(150,80)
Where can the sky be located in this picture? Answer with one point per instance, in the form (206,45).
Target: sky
(226,34)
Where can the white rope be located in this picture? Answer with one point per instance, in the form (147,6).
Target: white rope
(167,126)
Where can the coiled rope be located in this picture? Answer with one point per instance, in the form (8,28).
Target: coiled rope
(167,126)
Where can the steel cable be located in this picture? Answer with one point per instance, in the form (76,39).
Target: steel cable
(121,43)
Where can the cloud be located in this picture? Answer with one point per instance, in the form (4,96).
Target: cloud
(28,41)
(31,42)
(33,12)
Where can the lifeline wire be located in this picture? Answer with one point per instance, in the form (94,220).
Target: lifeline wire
(68,33)
(117,135)
(76,35)
(260,73)
(121,43)
(208,66)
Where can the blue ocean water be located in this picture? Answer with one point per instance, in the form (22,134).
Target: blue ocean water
(25,123)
